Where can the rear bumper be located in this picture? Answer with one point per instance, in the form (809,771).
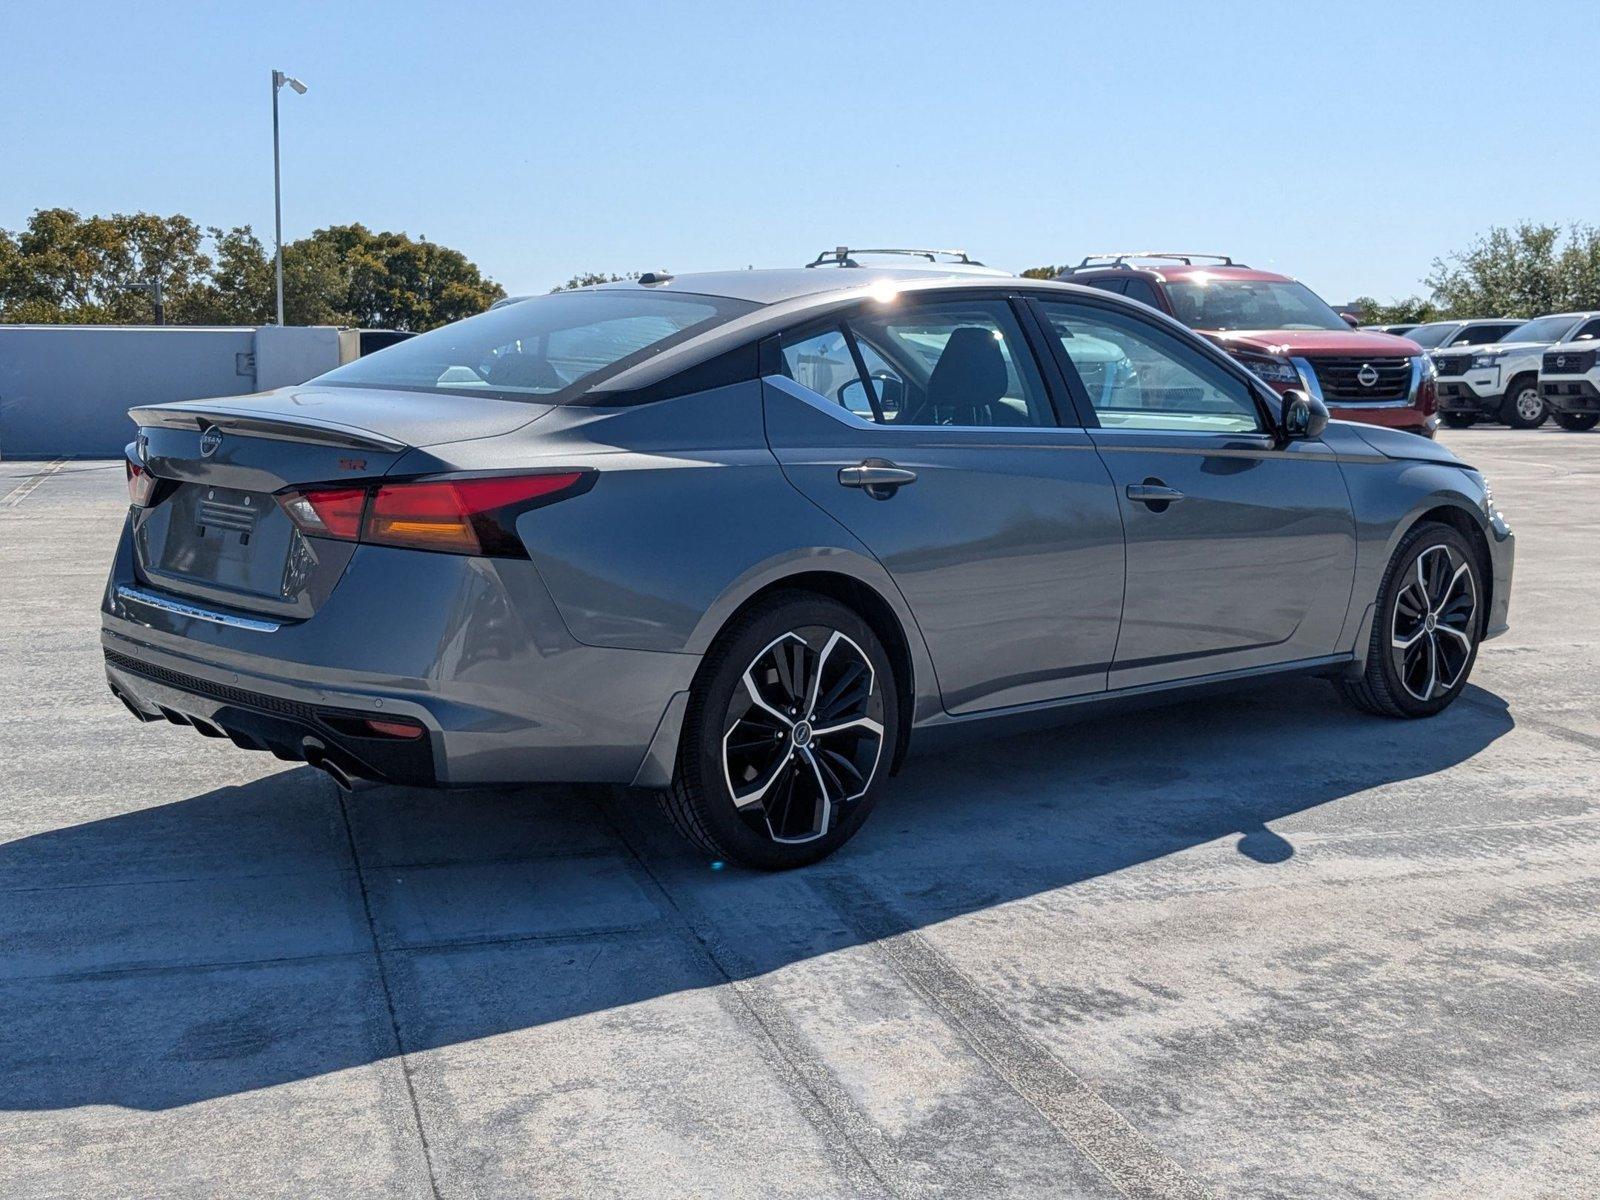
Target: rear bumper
(1571,395)
(471,649)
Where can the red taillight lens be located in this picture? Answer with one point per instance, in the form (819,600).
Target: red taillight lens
(332,512)
(141,484)
(472,515)
(463,516)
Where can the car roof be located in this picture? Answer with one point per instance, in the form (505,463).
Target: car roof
(1177,272)
(780,298)
(777,284)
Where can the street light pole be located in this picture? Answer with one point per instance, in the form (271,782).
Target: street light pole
(278,80)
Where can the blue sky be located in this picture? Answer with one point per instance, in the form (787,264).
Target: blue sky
(1347,144)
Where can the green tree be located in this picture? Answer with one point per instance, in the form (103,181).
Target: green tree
(1412,310)
(68,268)
(1042,272)
(590,278)
(1522,271)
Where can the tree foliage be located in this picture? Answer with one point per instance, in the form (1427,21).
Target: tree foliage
(1524,271)
(1042,272)
(65,268)
(590,278)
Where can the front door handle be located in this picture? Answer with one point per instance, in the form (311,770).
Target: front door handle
(880,477)
(1155,494)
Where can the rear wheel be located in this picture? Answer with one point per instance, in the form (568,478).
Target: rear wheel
(1524,407)
(790,729)
(1427,627)
(1577,422)
(1459,420)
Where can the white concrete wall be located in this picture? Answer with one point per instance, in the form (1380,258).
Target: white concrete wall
(66,389)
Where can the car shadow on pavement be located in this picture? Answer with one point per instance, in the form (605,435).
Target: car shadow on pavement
(229,942)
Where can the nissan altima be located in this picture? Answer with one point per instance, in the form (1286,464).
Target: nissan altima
(745,539)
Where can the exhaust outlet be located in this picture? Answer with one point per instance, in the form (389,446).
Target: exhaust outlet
(317,756)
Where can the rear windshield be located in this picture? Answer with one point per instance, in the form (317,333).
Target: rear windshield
(549,348)
(1203,301)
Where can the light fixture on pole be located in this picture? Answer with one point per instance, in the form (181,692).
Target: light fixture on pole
(278,80)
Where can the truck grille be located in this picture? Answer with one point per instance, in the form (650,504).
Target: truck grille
(1358,380)
(1568,362)
(1452,364)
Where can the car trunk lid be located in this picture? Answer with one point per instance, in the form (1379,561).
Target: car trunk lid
(214,530)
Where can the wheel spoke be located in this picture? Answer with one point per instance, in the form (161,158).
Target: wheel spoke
(866,723)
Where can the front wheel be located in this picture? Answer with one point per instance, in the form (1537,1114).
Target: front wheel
(1427,627)
(1577,422)
(1524,407)
(790,730)
(1459,420)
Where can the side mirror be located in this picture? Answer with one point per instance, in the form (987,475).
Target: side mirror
(889,392)
(1303,417)
(1351,320)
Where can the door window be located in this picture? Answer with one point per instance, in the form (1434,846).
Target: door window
(1588,332)
(961,363)
(1139,376)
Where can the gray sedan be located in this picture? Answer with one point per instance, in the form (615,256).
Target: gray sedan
(742,539)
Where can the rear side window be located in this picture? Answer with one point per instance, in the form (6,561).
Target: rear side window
(550,348)
(960,363)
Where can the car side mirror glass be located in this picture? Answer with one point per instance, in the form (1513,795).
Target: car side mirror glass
(853,395)
(1303,417)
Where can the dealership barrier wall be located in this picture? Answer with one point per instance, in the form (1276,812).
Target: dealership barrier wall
(65,390)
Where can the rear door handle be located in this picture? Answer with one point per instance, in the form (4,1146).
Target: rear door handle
(1154,493)
(880,477)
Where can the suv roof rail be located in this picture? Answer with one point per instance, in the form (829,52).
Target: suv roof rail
(1186,257)
(844,256)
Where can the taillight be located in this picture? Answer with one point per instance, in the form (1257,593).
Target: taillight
(333,512)
(467,515)
(141,484)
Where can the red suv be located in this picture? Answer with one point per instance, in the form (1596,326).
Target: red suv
(1281,330)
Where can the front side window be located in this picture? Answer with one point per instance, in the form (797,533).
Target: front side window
(952,363)
(1203,301)
(1143,291)
(1140,377)
(547,348)
(1588,332)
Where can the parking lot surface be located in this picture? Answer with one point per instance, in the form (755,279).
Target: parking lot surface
(1251,946)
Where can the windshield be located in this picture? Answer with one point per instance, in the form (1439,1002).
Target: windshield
(1210,302)
(1429,336)
(543,348)
(1542,329)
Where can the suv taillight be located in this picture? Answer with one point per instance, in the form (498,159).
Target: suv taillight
(457,515)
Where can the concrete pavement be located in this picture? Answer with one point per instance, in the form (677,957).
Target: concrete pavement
(1256,946)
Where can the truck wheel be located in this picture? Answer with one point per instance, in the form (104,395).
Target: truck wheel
(788,736)
(1459,420)
(1426,629)
(1577,422)
(1524,407)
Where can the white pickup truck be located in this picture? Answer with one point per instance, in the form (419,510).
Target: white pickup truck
(1569,381)
(1500,381)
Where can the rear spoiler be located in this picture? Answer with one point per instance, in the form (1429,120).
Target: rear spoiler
(263,425)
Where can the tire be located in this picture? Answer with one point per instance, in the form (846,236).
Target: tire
(1459,420)
(1577,422)
(805,793)
(1396,682)
(1524,407)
